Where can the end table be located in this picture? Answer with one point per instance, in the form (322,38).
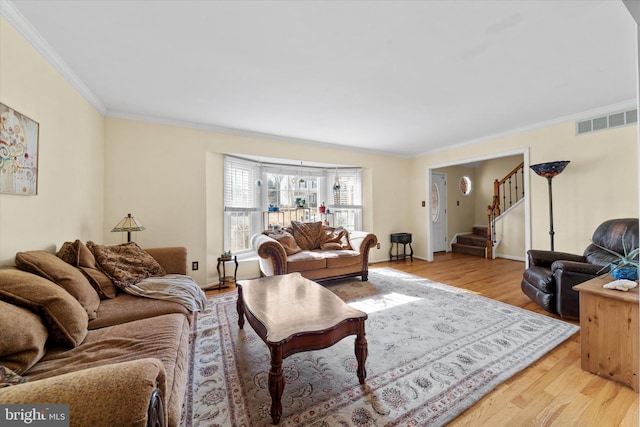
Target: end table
(609,331)
(222,271)
(404,239)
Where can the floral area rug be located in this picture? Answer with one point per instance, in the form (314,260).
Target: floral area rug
(434,351)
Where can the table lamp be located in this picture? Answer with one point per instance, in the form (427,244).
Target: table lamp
(128,224)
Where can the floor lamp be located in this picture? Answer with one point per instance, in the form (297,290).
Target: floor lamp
(549,170)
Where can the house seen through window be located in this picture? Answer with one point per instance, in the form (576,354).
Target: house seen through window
(260,195)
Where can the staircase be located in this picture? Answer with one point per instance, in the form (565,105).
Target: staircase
(507,185)
(472,244)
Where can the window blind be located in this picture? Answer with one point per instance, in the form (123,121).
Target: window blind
(240,189)
(344,187)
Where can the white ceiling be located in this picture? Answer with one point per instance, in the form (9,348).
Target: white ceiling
(396,77)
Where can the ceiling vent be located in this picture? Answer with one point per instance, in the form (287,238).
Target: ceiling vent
(612,120)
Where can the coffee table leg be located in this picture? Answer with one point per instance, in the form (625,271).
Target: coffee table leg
(361,353)
(276,383)
(240,307)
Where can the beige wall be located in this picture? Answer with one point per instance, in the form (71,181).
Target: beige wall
(599,183)
(69,203)
(171,179)
(510,234)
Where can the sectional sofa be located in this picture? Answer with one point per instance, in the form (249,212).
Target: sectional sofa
(70,336)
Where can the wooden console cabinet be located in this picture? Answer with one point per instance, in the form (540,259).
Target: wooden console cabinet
(609,331)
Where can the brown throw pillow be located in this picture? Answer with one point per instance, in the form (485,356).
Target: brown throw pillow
(23,338)
(85,256)
(125,264)
(286,240)
(62,314)
(68,277)
(100,282)
(9,378)
(79,255)
(332,236)
(308,235)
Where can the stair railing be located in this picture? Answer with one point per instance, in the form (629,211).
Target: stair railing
(509,185)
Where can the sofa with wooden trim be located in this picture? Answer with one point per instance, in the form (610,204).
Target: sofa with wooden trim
(70,335)
(316,251)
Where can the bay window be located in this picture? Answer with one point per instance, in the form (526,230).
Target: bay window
(251,188)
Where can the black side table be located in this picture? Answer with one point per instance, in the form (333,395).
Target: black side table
(404,239)
(222,271)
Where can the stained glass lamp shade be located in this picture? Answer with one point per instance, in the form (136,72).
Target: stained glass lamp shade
(551,169)
(128,224)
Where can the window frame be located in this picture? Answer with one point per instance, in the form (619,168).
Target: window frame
(249,203)
(348,205)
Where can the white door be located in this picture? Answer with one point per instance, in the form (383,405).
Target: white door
(438,211)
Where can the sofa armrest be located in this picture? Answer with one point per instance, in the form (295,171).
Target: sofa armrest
(172,259)
(271,255)
(578,267)
(118,394)
(362,241)
(546,258)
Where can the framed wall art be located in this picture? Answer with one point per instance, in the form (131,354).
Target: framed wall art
(18,153)
(465,185)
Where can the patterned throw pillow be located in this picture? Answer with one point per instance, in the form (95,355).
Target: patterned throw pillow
(68,254)
(125,264)
(335,239)
(9,378)
(286,240)
(308,235)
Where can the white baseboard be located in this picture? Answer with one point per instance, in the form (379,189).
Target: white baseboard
(511,257)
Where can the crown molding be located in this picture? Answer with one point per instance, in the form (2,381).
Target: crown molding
(24,27)
(246,133)
(584,115)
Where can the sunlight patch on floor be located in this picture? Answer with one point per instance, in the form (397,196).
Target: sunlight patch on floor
(410,278)
(383,302)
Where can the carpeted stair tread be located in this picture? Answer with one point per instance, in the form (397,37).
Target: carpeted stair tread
(472,240)
(472,244)
(468,249)
(480,230)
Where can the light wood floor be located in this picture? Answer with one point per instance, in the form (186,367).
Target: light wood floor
(554,391)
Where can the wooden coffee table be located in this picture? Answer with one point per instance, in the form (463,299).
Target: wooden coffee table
(293,314)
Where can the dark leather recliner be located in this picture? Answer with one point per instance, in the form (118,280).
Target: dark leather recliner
(551,275)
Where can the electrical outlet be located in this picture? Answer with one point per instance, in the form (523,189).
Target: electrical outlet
(194,265)
(378,245)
